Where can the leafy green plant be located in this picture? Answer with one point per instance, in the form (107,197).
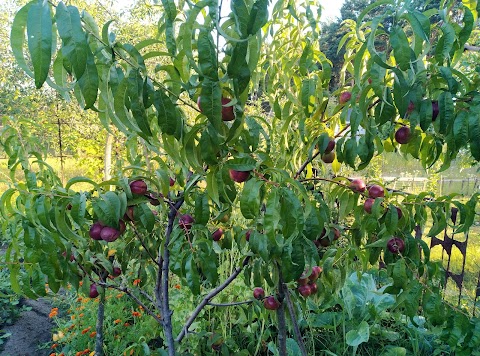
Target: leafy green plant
(197,152)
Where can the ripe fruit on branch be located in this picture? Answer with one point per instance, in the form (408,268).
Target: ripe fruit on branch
(316,270)
(271,303)
(116,271)
(217,235)
(330,146)
(93,291)
(328,157)
(239,176)
(172,182)
(396,245)
(376,191)
(345,97)
(367,206)
(95,231)
(227,111)
(403,135)
(313,287)
(128,216)
(399,212)
(357,185)
(247,235)
(138,187)
(411,107)
(305,290)
(109,234)
(123,227)
(435,109)
(186,221)
(258,293)
(303,280)
(336,234)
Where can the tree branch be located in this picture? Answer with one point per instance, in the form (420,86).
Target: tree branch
(296,329)
(282,324)
(208,297)
(161,288)
(467,47)
(229,304)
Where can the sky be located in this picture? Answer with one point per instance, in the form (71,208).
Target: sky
(330,9)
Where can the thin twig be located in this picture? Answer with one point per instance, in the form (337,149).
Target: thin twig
(229,304)
(143,244)
(208,297)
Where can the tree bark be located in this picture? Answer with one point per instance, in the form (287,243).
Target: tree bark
(107,162)
(282,324)
(99,326)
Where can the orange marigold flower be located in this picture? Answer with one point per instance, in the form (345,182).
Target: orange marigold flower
(136,313)
(93,333)
(119,295)
(86,351)
(53,354)
(140,307)
(81,283)
(53,313)
(72,317)
(177,286)
(126,324)
(54,346)
(79,299)
(117,321)
(131,352)
(62,354)
(78,353)
(81,315)
(136,282)
(86,330)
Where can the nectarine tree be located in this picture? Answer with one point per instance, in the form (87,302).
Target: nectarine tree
(227,156)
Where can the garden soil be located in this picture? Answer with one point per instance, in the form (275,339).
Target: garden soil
(30,332)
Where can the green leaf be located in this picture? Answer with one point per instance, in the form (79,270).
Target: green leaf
(291,214)
(202,209)
(75,47)
(358,335)
(191,275)
(445,116)
(292,347)
(108,209)
(40,40)
(391,219)
(259,245)
(145,215)
(211,102)
(244,164)
(460,129)
(241,15)
(350,151)
(88,83)
(399,274)
(167,115)
(258,16)
(17,37)
(474,134)
(207,55)
(401,47)
(445,43)
(251,198)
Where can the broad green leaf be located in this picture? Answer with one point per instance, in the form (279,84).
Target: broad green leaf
(207,55)
(244,164)
(39,34)
(445,43)
(145,215)
(211,102)
(259,245)
(167,115)
(108,209)
(75,47)
(460,129)
(251,198)
(258,16)
(474,134)
(191,274)
(358,335)
(241,15)
(88,82)
(202,209)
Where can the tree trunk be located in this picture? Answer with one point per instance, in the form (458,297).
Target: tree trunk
(99,326)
